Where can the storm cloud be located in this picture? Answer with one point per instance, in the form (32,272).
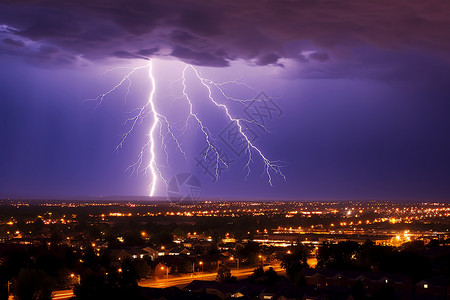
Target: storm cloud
(215,33)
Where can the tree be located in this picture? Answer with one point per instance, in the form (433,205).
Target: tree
(258,272)
(265,277)
(412,264)
(294,262)
(116,285)
(162,238)
(341,256)
(143,269)
(386,293)
(250,251)
(187,267)
(3,283)
(38,226)
(358,291)
(129,274)
(32,285)
(224,274)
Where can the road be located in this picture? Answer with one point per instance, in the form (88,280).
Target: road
(62,295)
(186,279)
(180,281)
(57,295)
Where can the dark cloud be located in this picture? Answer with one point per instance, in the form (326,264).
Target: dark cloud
(199,58)
(268,59)
(126,54)
(147,52)
(216,32)
(12,42)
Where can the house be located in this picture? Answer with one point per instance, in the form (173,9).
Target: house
(179,251)
(171,294)
(433,286)
(130,253)
(226,246)
(371,280)
(120,254)
(150,252)
(281,289)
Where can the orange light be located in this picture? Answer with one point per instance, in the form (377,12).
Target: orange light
(201,263)
(72,275)
(162,268)
(120,270)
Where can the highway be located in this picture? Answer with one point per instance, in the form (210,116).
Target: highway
(179,281)
(62,295)
(184,280)
(57,295)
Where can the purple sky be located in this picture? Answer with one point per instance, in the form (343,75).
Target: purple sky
(361,89)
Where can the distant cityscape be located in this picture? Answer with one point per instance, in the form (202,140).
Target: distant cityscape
(306,250)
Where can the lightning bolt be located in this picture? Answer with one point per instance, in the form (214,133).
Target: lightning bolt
(139,115)
(158,120)
(99,99)
(202,127)
(269,166)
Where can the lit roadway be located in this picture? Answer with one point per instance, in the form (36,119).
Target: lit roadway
(57,295)
(180,281)
(184,280)
(62,295)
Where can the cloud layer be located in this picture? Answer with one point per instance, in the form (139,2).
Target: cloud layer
(214,33)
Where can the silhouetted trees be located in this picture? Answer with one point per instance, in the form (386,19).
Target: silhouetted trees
(224,274)
(249,251)
(33,285)
(267,277)
(294,262)
(340,256)
(412,264)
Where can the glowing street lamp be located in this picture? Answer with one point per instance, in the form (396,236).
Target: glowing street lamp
(73,275)
(237,262)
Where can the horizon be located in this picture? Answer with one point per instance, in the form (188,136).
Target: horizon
(167,199)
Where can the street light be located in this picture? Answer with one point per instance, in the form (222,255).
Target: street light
(73,275)
(237,262)
(261,259)
(201,264)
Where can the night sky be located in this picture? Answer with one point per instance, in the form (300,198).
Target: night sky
(357,106)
